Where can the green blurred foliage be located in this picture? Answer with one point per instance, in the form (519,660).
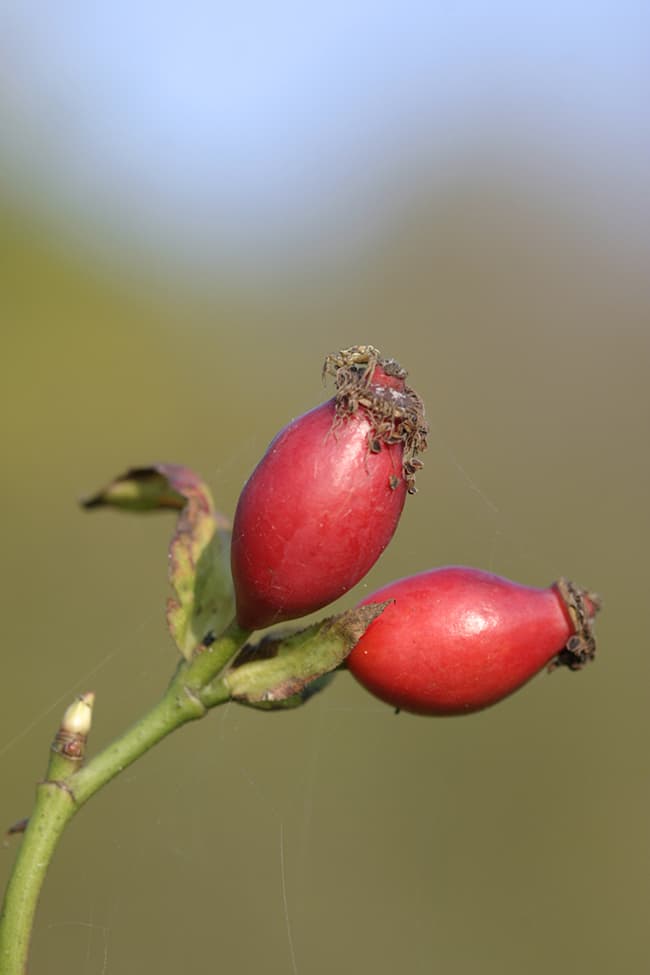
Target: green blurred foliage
(338,837)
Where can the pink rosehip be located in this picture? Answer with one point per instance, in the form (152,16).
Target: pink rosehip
(324,501)
(456,640)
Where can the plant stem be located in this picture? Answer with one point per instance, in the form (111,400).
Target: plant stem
(174,709)
(53,809)
(58,799)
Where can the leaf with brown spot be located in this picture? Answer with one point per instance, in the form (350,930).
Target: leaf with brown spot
(199,560)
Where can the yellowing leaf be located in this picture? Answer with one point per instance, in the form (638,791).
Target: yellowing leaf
(199,552)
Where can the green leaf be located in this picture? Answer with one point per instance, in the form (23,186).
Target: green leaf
(278,671)
(199,552)
(140,489)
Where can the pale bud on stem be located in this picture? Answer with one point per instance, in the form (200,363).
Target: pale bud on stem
(70,740)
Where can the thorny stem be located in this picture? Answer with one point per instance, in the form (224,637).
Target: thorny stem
(59,798)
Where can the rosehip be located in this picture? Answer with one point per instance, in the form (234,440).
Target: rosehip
(456,639)
(324,501)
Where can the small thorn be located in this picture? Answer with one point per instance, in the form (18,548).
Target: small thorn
(18,827)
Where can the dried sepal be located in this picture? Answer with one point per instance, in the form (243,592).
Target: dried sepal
(365,379)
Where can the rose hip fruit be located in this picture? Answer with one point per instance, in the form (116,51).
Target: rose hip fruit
(456,639)
(324,501)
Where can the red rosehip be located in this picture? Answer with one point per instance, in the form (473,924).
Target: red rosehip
(324,501)
(456,640)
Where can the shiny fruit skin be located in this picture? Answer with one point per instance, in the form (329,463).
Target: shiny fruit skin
(314,517)
(458,639)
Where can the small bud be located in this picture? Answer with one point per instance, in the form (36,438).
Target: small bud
(77,719)
(70,741)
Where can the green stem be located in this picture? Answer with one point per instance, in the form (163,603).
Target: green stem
(53,809)
(212,661)
(175,708)
(59,799)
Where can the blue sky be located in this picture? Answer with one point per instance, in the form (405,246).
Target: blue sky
(259,124)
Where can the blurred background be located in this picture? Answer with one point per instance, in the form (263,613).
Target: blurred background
(198,202)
